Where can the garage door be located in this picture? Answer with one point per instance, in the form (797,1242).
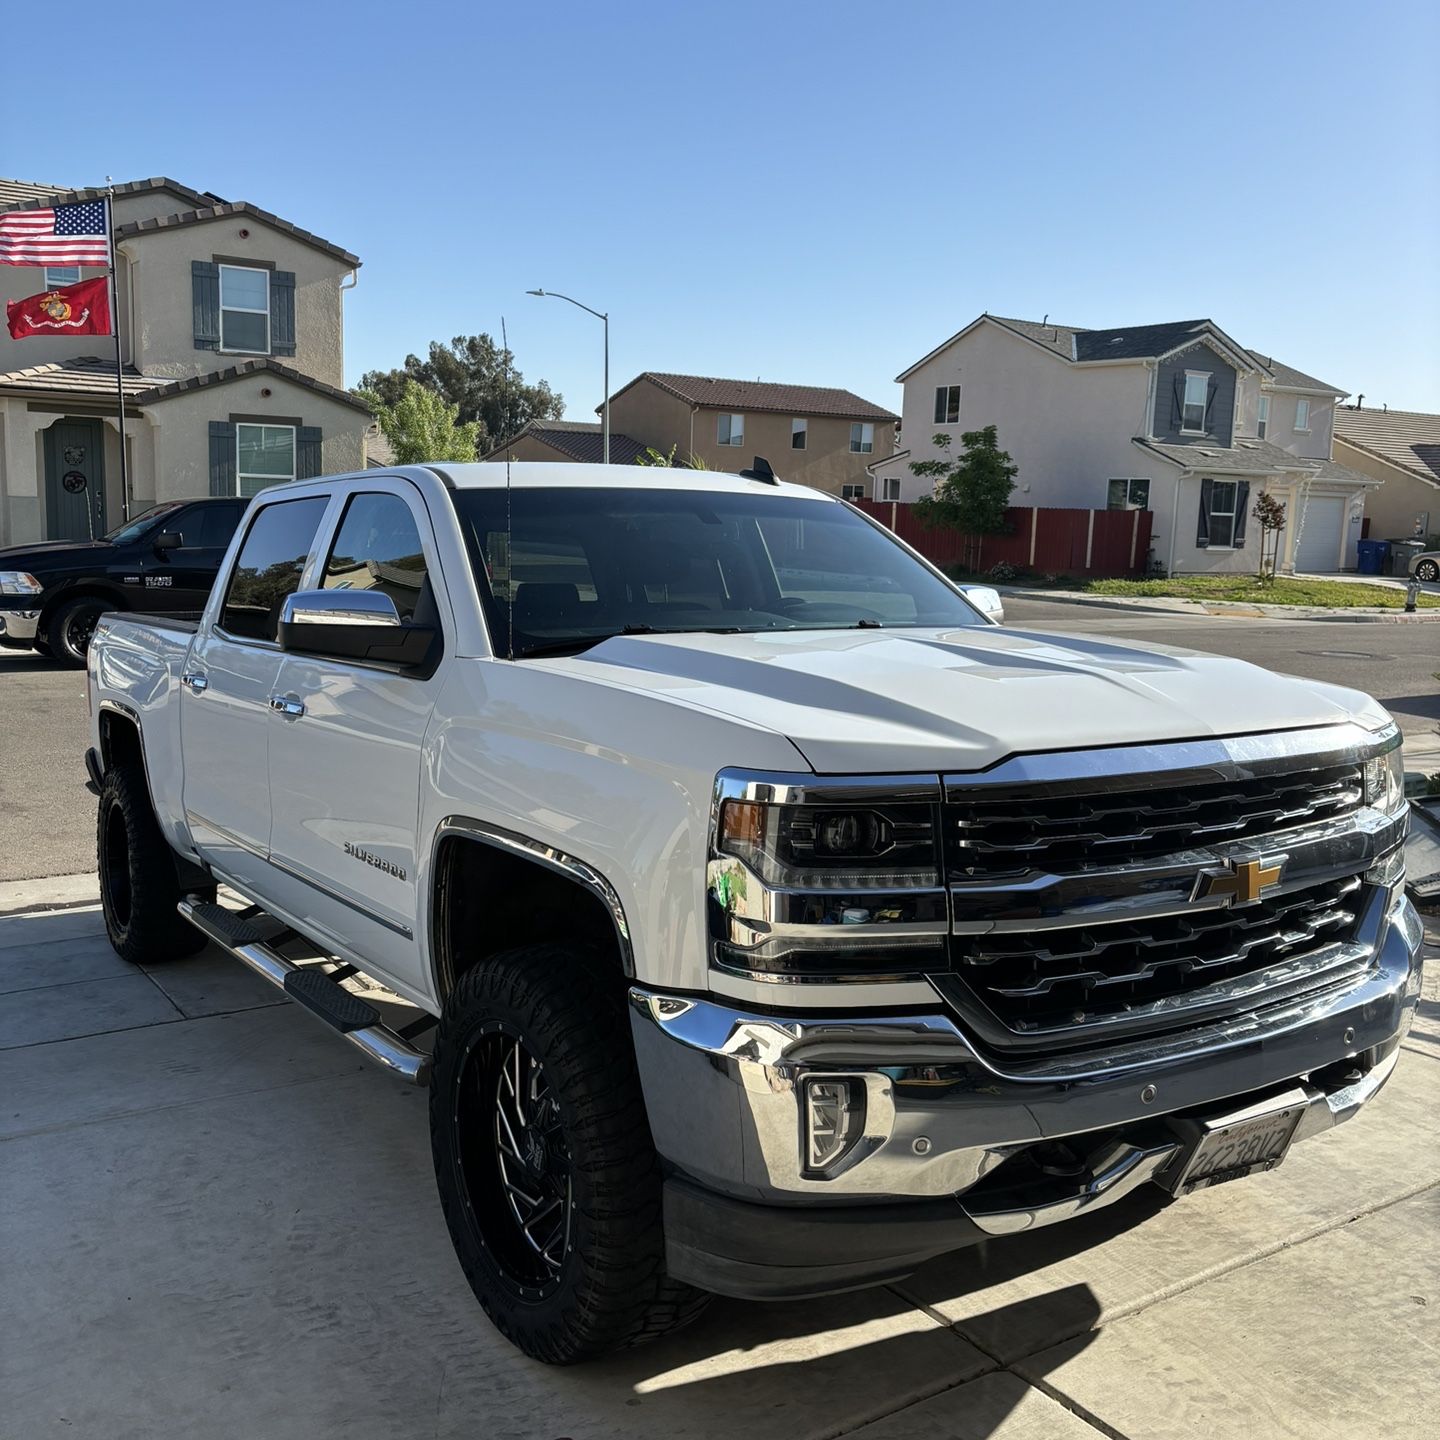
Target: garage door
(1319,546)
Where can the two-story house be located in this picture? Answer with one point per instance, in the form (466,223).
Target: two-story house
(1400,448)
(810,434)
(232,330)
(1177,418)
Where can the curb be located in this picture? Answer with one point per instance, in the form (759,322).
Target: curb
(1238,608)
(54,892)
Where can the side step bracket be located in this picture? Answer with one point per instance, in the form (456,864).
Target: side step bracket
(356,1019)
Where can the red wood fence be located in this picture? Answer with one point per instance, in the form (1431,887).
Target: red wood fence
(1048,542)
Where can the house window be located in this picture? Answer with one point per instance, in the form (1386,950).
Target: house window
(1262,418)
(798,431)
(1128,495)
(730,430)
(264,455)
(947,404)
(245,310)
(1197,392)
(890,488)
(1302,417)
(852,492)
(862,439)
(58,275)
(1222,514)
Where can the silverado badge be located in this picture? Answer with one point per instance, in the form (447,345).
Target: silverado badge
(1239,881)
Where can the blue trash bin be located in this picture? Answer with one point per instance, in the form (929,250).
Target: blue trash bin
(1371,555)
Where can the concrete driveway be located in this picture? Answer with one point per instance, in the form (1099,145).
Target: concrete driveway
(216,1221)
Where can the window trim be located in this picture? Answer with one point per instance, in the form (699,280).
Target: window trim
(1205,376)
(1305,428)
(803,432)
(1127,481)
(737,437)
(60,284)
(852,485)
(1232,512)
(862,448)
(942,404)
(223,348)
(270,480)
(886,482)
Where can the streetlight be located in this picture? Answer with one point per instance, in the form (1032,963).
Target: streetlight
(605,428)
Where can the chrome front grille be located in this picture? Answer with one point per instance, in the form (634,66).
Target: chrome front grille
(1008,832)
(1045,980)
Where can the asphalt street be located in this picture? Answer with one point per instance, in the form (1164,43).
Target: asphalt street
(48,816)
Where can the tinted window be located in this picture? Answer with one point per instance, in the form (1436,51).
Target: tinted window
(378,548)
(217,525)
(150,520)
(592,563)
(269,566)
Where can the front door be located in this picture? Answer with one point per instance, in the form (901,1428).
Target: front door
(75,480)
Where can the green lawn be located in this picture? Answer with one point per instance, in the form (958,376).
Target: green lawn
(1338,593)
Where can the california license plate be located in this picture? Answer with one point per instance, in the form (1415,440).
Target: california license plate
(1229,1147)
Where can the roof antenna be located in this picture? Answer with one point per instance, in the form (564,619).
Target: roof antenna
(1045,320)
(509,545)
(1360,402)
(760,470)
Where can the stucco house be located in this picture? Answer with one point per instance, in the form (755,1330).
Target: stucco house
(1400,448)
(1177,418)
(232,324)
(810,434)
(568,440)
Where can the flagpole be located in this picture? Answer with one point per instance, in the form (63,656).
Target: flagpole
(119,364)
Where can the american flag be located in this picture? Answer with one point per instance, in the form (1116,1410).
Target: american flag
(66,235)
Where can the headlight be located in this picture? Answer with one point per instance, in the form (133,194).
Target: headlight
(19,582)
(1385,781)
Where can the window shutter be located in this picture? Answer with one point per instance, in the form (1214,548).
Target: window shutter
(222,457)
(307,453)
(282,312)
(1242,501)
(1202,529)
(205,294)
(1177,407)
(939,404)
(1211,392)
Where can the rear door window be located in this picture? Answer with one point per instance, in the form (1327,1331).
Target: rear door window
(269,566)
(217,526)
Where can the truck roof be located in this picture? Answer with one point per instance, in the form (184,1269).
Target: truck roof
(533,474)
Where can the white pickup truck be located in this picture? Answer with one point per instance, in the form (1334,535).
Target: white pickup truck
(781,921)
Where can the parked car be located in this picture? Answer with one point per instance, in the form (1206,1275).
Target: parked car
(1426,565)
(781,922)
(986,599)
(163,561)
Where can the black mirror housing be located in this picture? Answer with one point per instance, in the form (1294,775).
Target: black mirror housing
(168,540)
(409,646)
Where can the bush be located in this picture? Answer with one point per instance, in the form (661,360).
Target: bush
(1003,573)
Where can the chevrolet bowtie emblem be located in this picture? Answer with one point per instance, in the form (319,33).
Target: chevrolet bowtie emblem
(1239,881)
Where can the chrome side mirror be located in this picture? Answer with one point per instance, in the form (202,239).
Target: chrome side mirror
(339,607)
(355,625)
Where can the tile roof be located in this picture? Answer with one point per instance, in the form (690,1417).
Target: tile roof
(1407,439)
(1287,375)
(578,440)
(166,388)
(763,395)
(86,375)
(240,207)
(379,452)
(46,195)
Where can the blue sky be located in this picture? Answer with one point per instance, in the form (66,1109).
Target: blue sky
(815,193)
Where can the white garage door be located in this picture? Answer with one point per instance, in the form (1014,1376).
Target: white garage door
(1319,546)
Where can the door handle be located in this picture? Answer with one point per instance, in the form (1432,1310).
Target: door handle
(195,681)
(290,709)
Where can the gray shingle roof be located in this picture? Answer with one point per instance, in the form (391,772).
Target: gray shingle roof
(763,395)
(578,440)
(1296,379)
(1245,457)
(1059,338)
(85,375)
(1141,342)
(1408,439)
(240,207)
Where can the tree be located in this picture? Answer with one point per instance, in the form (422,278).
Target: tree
(1269,514)
(971,493)
(421,427)
(659,459)
(479,378)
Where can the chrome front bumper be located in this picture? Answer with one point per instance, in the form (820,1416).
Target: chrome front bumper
(724,1088)
(18,627)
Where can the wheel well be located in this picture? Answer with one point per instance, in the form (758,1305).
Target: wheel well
(488,899)
(78,592)
(119,741)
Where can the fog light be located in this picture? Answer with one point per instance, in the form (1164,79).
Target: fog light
(834,1120)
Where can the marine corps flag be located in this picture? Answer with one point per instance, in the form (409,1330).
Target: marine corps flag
(82,309)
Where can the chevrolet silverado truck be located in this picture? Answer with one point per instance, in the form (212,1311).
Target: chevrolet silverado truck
(772,921)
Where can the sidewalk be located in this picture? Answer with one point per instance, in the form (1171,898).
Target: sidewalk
(233,1221)
(1170,605)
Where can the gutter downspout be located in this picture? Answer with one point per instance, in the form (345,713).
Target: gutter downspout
(1174,522)
(693,409)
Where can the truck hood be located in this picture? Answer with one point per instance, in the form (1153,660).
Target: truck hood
(887,701)
(13,557)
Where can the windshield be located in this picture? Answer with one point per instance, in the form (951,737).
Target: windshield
(579,566)
(134,529)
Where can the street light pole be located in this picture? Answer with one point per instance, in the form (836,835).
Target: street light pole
(604,320)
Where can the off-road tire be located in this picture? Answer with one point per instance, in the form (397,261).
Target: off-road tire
(612,1290)
(1427,570)
(70,628)
(139,889)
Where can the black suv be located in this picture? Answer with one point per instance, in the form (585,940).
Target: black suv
(165,560)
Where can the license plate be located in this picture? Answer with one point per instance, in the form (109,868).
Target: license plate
(1229,1147)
